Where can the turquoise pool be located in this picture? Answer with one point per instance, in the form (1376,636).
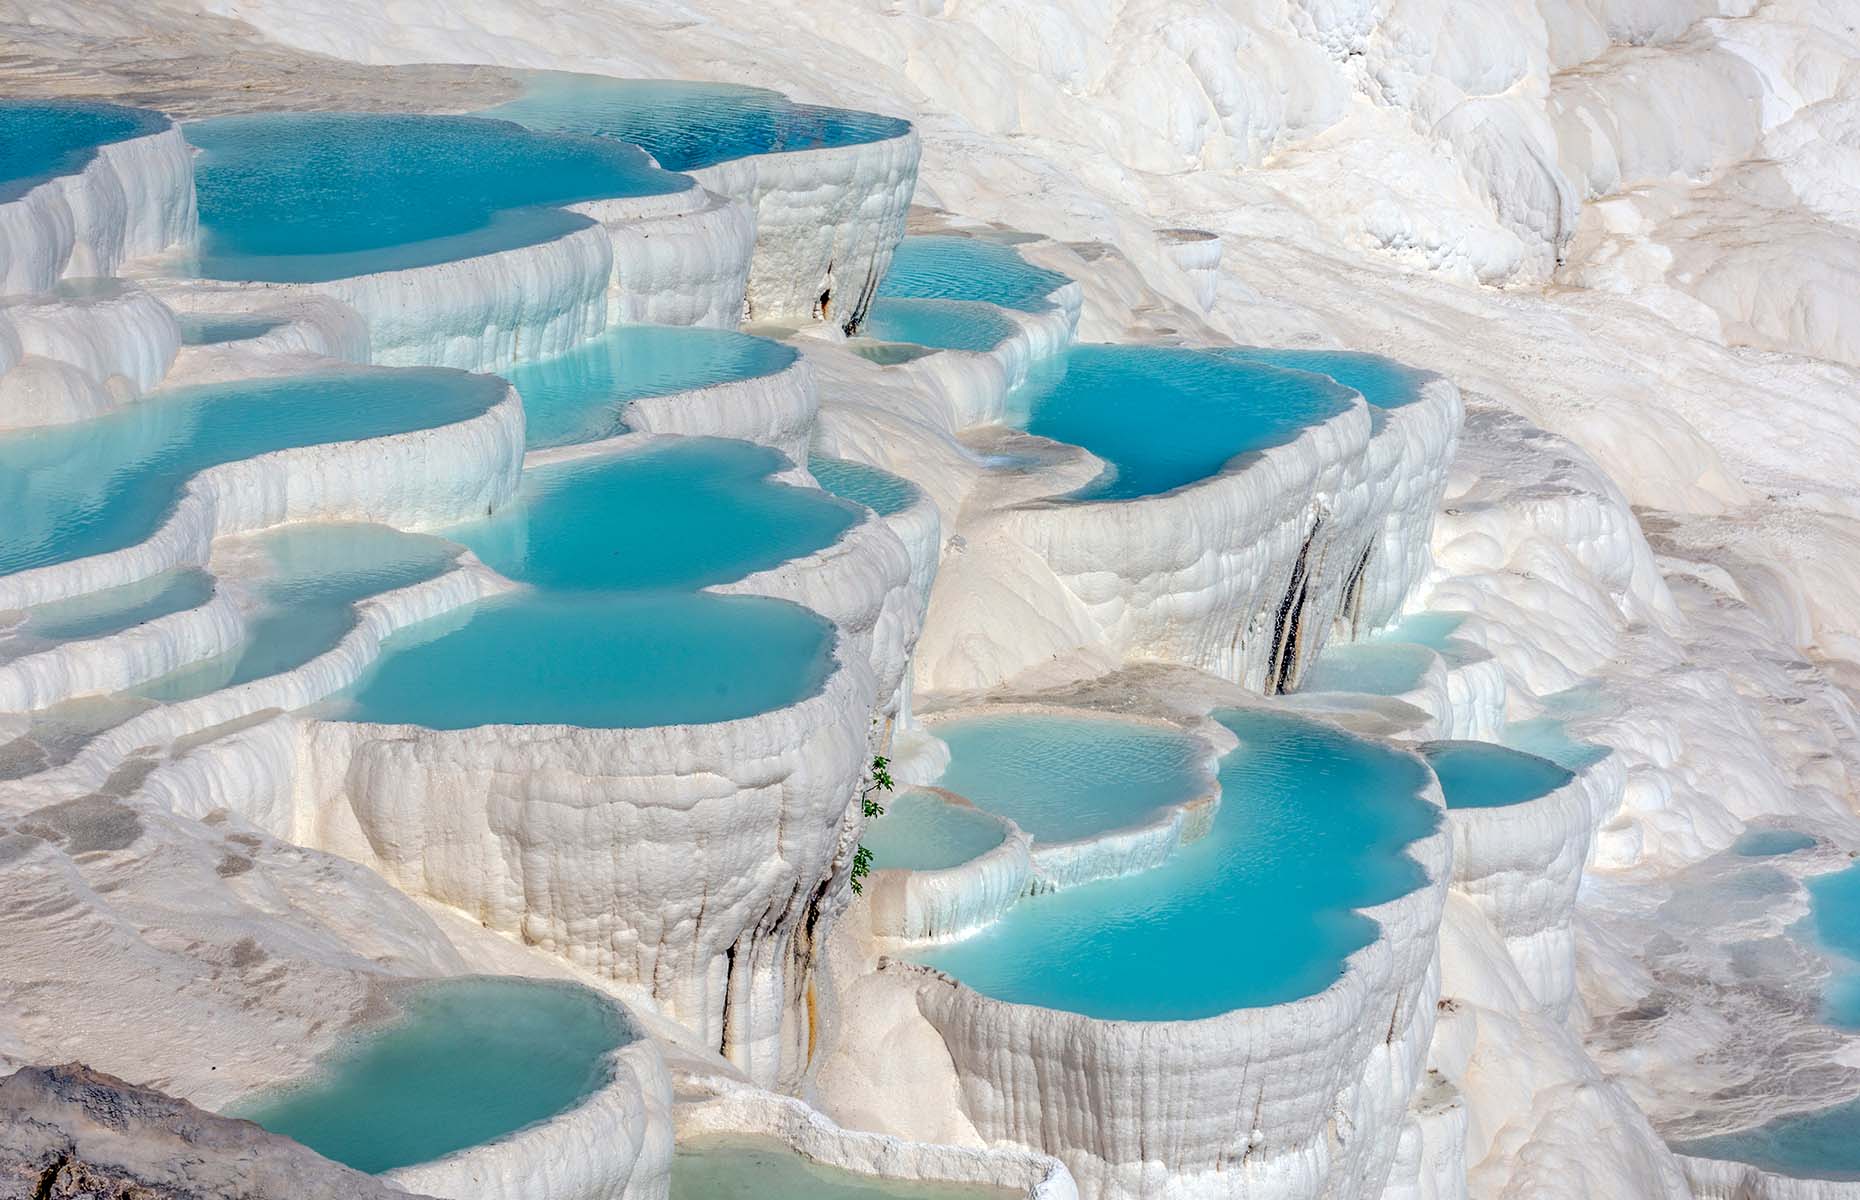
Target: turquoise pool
(43,139)
(299,197)
(687,125)
(683,513)
(1062,777)
(741,1167)
(1549,737)
(1435,630)
(212,329)
(582,396)
(1814,1145)
(1484,775)
(612,631)
(1312,826)
(597,660)
(1833,926)
(315,574)
(101,614)
(1438,632)
(1383,382)
(921,831)
(937,324)
(881,491)
(1768,843)
(949,267)
(77,490)
(1164,418)
(1373,668)
(467,1062)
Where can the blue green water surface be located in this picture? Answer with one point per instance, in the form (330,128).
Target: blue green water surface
(211,329)
(1768,843)
(314,576)
(468,1061)
(1383,382)
(43,139)
(72,491)
(113,610)
(297,197)
(740,1167)
(881,491)
(1485,775)
(582,396)
(921,831)
(1814,1145)
(1065,777)
(941,266)
(611,631)
(1311,827)
(686,124)
(1374,668)
(1163,418)
(937,324)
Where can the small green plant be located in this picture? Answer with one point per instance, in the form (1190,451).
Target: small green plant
(869,805)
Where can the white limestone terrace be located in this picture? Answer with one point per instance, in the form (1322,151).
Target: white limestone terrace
(721,938)
(877,633)
(1241,1100)
(1361,165)
(87,187)
(1329,525)
(79,350)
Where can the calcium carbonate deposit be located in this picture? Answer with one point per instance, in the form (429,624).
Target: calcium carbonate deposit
(946,599)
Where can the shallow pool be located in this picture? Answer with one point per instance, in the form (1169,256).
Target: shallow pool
(1768,843)
(1548,737)
(881,491)
(1311,827)
(101,614)
(1383,382)
(77,490)
(950,267)
(937,324)
(43,139)
(1815,1145)
(687,124)
(1484,775)
(1374,668)
(1438,631)
(212,329)
(467,1062)
(1064,777)
(611,632)
(1163,418)
(741,1167)
(299,197)
(582,396)
(313,576)
(921,831)
(1834,927)
(597,660)
(682,513)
